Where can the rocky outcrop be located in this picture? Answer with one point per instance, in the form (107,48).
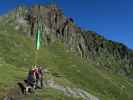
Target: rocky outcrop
(88,44)
(71,92)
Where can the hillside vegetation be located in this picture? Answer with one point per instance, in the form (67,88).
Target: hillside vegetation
(17,55)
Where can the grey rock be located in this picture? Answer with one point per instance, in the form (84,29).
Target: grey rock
(68,91)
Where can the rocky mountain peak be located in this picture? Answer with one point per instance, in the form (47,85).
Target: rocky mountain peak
(88,44)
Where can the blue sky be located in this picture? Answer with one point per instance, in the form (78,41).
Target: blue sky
(111,18)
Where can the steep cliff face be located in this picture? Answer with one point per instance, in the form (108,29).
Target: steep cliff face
(88,44)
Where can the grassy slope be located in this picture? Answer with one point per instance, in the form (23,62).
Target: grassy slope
(16,56)
(85,75)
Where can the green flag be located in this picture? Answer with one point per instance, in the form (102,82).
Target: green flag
(38,39)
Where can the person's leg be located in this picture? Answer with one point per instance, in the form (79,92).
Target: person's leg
(37,81)
(41,81)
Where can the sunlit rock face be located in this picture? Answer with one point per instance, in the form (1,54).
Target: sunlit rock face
(54,25)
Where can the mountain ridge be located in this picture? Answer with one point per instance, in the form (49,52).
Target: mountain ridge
(87,44)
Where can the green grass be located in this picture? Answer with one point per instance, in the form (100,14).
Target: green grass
(85,74)
(17,55)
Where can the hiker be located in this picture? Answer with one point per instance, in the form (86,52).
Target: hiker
(34,74)
(30,83)
(38,76)
(30,78)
